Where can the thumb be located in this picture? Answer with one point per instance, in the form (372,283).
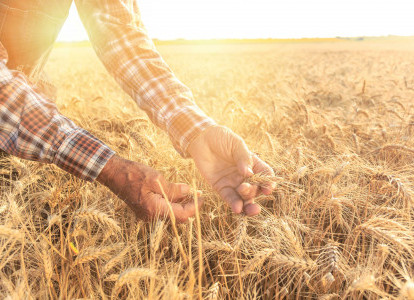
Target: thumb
(177,191)
(173,191)
(243,158)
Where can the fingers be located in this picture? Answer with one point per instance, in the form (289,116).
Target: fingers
(181,211)
(232,198)
(247,191)
(173,191)
(249,164)
(251,209)
(243,157)
(159,206)
(259,166)
(176,191)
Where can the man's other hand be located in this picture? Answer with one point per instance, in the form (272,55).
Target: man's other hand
(224,160)
(143,189)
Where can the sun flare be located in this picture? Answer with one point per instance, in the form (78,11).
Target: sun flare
(201,19)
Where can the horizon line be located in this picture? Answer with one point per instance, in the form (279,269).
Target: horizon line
(185,40)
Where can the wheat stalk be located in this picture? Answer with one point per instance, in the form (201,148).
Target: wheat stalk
(283,293)
(156,236)
(115,260)
(240,232)
(213,291)
(132,275)
(11,233)
(218,246)
(400,238)
(53,219)
(356,143)
(328,259)
(329,296)
(99,218)
(291,262)
(47,262)
(327,280)
(269,141)
(256,261)
(261,179)
(365,282)
(93,253)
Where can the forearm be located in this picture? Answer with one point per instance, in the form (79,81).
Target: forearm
(32,128)
(121,42)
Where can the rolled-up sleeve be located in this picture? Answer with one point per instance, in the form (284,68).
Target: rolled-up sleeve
(32,128)
(121,42)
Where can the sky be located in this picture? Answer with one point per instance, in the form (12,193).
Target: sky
(206,19)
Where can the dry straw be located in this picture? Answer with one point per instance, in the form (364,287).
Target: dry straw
(99,218)
(93,253)
(10,233)
(241,231)
(156,236)
(132,276)
(213,292)
(338,226)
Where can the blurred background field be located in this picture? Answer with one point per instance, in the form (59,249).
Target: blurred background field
(334,120)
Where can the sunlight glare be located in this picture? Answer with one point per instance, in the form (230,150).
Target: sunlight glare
(202,19)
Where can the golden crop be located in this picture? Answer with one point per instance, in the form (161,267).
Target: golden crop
(335,122)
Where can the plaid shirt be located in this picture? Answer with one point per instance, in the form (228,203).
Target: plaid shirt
(32,128)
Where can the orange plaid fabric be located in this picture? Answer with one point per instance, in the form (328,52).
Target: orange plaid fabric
(32,128)
(122,44)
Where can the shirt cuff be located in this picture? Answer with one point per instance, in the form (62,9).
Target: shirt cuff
(185,126)
(82,155)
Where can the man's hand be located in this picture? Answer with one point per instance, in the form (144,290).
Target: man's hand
(224,160)
(142,188)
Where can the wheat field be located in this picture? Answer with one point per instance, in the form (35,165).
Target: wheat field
(334,120)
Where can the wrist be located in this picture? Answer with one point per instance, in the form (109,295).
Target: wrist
(205,139)
(79,153)
(197,143)
(185,126)
(119,173)
(109,170)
